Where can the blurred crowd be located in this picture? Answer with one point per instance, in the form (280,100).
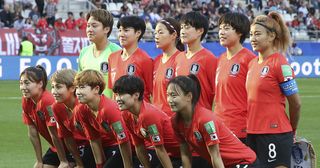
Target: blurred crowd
(299,14)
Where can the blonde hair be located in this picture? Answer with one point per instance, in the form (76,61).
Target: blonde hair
(274,23)
(91,78)
(64,76)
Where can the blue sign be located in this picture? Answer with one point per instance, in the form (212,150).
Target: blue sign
(12,66)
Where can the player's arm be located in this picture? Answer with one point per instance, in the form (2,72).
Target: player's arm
(294,110)
(215,156)
(126,153)
(36,143)
(142,155)
(57,142)
(72,147)
(163,156)
(186,156)
(97,151)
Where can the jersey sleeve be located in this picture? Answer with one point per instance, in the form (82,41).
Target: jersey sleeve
(283,70)
(62,130)
(154,126)
(208,129)
(46,108)
(109,71)
(26,119)
(147,67)
(212,63)
(118,127)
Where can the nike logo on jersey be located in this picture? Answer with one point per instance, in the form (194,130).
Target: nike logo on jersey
(271,160)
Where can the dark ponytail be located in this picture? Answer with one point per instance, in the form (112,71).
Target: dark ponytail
(36,74)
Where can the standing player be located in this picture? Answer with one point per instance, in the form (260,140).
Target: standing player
(95,56)
(167,38)
(197,127)
(131,60)
(270,80)
(38,116)
(231,96)
(198,60)
(149,126)
(100,119)
(63,91)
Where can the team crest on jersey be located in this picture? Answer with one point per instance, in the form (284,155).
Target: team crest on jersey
(264,70)
(235,68)
(131,69)
(78,126)
(195,68)
(104,67)
(169,73)
(197,135)
(40,115)
(105,126)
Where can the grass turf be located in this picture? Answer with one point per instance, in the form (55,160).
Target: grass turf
(16,150)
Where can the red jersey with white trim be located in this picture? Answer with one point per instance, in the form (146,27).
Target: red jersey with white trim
(206,130)
(231,95)
(40,115)
(203,64)
(107,125)
(162,74)
(65,123)
(152,127)
(138,64)
(266,102)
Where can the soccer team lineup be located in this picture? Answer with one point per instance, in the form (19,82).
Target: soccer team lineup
(185,108)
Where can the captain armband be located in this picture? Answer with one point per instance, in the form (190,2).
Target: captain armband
(289,88)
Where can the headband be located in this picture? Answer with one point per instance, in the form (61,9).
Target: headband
(168,25)
(265,26)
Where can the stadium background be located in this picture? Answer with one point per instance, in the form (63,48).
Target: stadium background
(64,45)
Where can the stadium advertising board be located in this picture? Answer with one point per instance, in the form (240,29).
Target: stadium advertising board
(12,66)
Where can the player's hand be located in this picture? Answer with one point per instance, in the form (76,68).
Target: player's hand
(38,165)
(294,136)
(64,165)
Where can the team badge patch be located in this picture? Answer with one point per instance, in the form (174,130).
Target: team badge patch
(104,67)
(169,73)
(195,68)
(153,131)
(286,72)
(235,68)
(105,126)
(117,126)
(52,119)
(264,70)
(78,126)
(131,69)
(40,115)
(197,135)
(211,130)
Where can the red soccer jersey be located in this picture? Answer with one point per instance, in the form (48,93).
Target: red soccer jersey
(152,127)
(203,64)
(81,23)
(266,102)
(65,123)
(231,95)
(42,23)
(40,115)
(162,74)
(70,24)
(107,125)
(138,64)
(206,130)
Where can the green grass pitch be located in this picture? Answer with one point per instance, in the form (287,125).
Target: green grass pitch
(16,150)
